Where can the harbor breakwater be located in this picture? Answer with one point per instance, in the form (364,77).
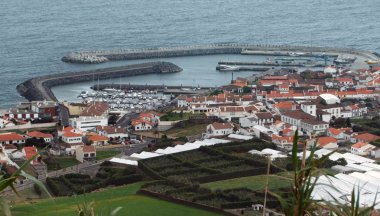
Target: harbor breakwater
(39,88)
(214,49)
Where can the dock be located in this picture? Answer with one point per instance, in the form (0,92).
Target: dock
(268,64)
(165,89)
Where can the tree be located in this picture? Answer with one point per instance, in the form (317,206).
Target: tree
(348,122)
(247,90)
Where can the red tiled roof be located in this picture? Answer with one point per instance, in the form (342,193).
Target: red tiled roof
(359,145)
(284,105)
(38,134)
(30,152)
(88,148)
(110,130)
(139,121)
(96,137)
(367,137)
(11,136)
(323,141)
(95,109)
(335,131)
(71,134)
(220,126)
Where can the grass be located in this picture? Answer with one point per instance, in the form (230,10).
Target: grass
(255,183)
(187,131)
(174,116)
(63,162)
(106,154)
(107,200)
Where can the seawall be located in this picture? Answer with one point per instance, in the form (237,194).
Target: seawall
(39,88)
(214,49)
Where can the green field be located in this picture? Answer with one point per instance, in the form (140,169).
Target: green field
(187,131)
(105,201)
(62,162)
(106,154)
(254,183)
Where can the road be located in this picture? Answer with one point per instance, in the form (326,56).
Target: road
(136,148)
(126,120)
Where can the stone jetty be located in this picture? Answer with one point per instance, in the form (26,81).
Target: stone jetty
(39,88)
(213,49)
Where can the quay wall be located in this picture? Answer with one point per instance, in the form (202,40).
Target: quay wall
(213,49)
(39,88)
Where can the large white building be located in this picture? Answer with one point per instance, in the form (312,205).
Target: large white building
(88,122)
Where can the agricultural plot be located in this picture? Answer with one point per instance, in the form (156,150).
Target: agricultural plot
(213,161)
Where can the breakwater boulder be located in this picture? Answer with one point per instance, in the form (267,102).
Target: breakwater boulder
(84,58)
(39,88)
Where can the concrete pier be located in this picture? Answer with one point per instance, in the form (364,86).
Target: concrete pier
(268,64)
(214,49)
(39,88)
(165,89)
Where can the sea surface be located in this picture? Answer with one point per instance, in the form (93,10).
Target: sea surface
(35,34)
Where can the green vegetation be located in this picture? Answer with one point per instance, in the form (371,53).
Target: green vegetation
(369,125)
(124,196)
(207,161)
(188,130)
(176,116)
(255,183)
(106,154)
(57,163)
(225,199)
(107,174)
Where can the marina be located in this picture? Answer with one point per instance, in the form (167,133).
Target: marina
(127,101)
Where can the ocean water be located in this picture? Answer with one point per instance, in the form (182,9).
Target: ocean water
(35,34)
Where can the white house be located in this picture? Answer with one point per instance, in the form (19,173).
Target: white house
(362,149)
(11,138)
(111,132)
(309,108)
(142,124)
(71,141)
(85,153)
(219,129)
(86,123)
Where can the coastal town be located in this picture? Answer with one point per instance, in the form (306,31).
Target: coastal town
(336,110)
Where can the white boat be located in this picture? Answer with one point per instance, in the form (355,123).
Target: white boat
(228,68)
(83,94)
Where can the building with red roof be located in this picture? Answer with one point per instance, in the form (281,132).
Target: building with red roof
(85,153)
(30,152)
(367,137)
(283,142)
(97,140)
(219,129)
(38,135)
(327,143)
(362,149)
(142,124)
(11,138)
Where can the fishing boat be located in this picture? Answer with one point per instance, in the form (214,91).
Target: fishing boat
(228,68)
(369,61)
